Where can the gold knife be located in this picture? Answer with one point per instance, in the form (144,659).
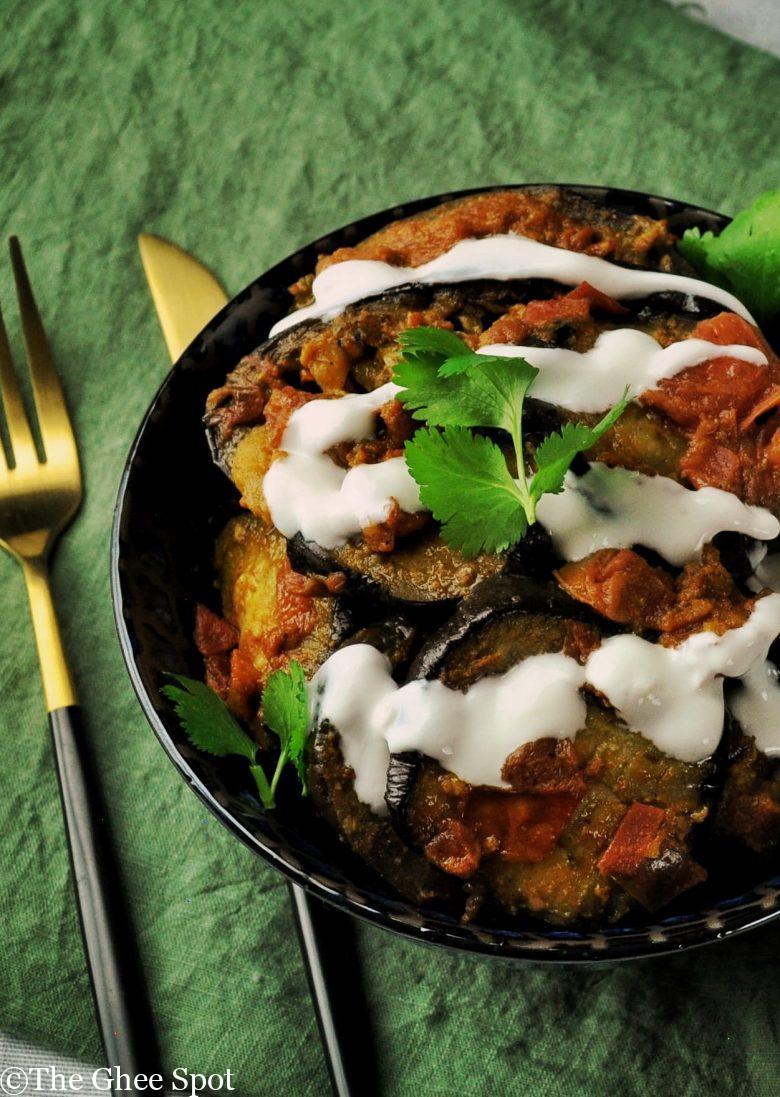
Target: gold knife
(186,296)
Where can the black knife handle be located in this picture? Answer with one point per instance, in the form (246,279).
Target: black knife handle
(328,942)
(120,999)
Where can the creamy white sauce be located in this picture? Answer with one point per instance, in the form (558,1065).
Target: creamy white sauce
(308,493)
(756,704)
(473,733)
(615,508)
(470,734)
(349,689)
(501,257)
(672,696)
(626,358)
(766,569)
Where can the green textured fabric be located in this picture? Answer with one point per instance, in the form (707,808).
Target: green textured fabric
(242,130)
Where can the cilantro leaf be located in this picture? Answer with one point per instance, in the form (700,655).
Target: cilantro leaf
(286,713)
(745,257)
(694,245)
(468,390)
(425,394)
(465,482)
(463,478)
(208,724)
(556,452)
(430,343)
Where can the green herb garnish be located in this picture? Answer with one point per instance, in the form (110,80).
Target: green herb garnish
(745,257)
(463,477)
(210,726)
(286,713)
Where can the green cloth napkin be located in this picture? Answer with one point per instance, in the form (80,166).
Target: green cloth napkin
(242,130)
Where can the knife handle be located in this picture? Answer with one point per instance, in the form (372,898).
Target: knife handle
(328,943)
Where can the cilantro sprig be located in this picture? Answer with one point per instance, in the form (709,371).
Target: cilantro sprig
(463,477)
(211,727)
(745,257)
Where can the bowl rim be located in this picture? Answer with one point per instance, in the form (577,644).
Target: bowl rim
(722,920)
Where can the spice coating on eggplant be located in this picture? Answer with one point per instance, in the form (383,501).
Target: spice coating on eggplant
(404,559)
(543,845)
(589,826)
(331,782)
(277,615)
(747,813)
(550,214)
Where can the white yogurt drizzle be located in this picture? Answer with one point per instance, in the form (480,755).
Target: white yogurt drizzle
(616,508)
(672,696)
(308,493)
(500,257)
(766,569)
(756,704)
(626,358)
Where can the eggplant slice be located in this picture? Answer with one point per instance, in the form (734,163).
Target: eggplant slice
(746,818)
(550,214)
(274,623)
(331,783)
(356,351)
(544,846)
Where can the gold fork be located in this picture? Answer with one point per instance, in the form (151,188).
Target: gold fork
(39,496)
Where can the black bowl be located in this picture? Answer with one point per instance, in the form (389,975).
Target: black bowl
(173,501)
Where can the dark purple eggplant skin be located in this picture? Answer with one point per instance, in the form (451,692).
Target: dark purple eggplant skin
(533,557)
(373,837)
(734,549)
(402,773)
(503,595)
(393,636)
(308,556)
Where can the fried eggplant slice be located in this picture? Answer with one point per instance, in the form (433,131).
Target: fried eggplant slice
(404,558)
(551,215)
(543,846)
(747,814)
(331,782)
(276,614)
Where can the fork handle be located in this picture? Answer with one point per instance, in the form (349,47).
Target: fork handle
(120,1000)
(55,672)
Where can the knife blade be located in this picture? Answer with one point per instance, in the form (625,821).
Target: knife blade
(186,296)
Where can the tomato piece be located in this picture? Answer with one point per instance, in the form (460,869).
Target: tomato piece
(455,850)
(244,689)
(520,827)
(637,839)
(597,299)
(544,766)
(213,634)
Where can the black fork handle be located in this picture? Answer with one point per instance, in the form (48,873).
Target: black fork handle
(327,939)
(121,1005)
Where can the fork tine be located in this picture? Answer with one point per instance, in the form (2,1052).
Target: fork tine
(53,418)
(22,443)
